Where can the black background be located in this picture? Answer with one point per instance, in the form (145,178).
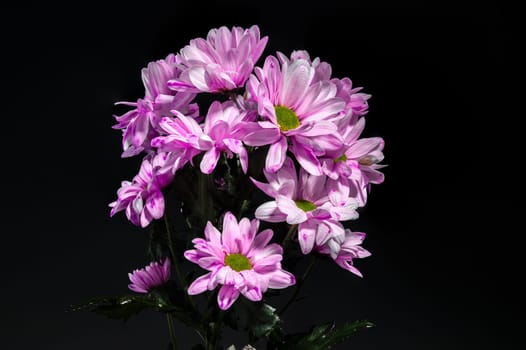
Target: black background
(442,228)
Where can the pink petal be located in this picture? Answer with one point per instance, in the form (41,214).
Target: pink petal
(328,108)
(297,78)
(145,218)
(212,234)
(320,214)
(276,155)
(227,296)
(307,159)
(374,176)
(363,147)
(196,75)
(330,144)
(180,85)
(281,279)
(218,131)
(312,187)
(258,136)
(306,236)
(270,260)
(209,161)
(192,255)
(262,239)
(247,236)
(215,112)
(352,133)
(253,294)
(346,212)
(250,278)
(155,204)
(199,285)
(231,233)
(137,288)
(269,212)
(268,189)
(323,234)
(321,127)
(294,214)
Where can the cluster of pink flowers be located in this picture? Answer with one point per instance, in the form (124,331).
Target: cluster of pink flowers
(318,168)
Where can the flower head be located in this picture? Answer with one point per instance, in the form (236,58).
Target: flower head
(141,124)
(300,106)
(344,249)
(240,260)
(142,198)
(222,62)
(357,163)
(152,276)
(316,203)
(222,131)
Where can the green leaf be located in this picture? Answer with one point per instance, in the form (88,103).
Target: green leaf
(256,318)
(263,321)
(322,337)
(158,244)
(117,307)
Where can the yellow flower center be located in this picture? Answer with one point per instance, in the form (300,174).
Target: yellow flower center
(238,262)
(287,119)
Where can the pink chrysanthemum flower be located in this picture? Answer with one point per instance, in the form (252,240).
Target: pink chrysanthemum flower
(343,249)
(298,108)
(357,163)
(315,203)
(142,198)
(355,100)
(140,124)
(222,131)
(222,62)
(150,277)
(238,259)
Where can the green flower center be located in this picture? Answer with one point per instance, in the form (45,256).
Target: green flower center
(304,205)
(238,262)
(287,119)
(342,158)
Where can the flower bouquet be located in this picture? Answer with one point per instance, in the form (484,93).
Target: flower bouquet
(247,172)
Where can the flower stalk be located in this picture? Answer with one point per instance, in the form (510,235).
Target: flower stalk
(171,331)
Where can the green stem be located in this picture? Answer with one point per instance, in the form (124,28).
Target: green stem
(243,207)
(288,236)
(299,285)
(170,243)
(175,262)
(171,330)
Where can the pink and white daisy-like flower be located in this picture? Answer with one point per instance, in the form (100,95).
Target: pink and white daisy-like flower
(240,260)
(150,277)
(142,199)
(140,124)
(299,108)
(343,249)
(357,163)
(316,203)
(220,63)
(355,100)
(222,131)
